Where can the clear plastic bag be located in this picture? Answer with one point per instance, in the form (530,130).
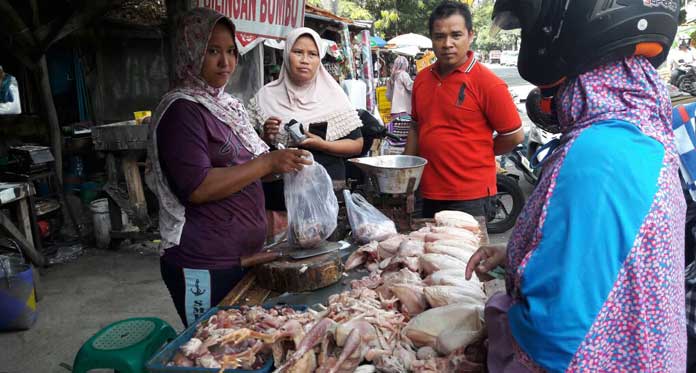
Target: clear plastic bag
(366,222)
(312,205)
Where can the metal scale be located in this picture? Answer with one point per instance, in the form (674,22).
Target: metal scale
(391,184)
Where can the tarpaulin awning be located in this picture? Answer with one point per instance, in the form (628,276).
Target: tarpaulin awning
(376,41)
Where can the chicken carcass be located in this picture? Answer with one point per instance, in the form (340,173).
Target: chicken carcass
(419,234)
(430,263)
(462,244)
(412,299)
(464,234)
(390,246)
(454,277)
(371,231)
(442,295)
(446,328)
(456,252)
(313,337)
(457,219)
(403,276)
(363,254)
(395,263)
(411,247)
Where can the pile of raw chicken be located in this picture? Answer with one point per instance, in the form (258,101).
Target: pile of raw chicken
(415,312)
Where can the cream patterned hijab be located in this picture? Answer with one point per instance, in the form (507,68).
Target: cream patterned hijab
(322,100)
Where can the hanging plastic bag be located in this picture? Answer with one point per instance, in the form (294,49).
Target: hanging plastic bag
(366,222)
(312,205)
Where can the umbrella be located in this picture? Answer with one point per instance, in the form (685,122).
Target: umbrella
(410,39)
(408,51)
(376,41)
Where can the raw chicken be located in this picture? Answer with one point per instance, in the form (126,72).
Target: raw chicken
(456,338)
(390,246)
(457,219)
(180,360)
(365,369)
(419,234)
(397,262)
(435,262)
(404,276)
(459,232)
(442,295)
(443,328)
(371,231)
(462,244)
(456,252)
(425,353)
(411,297)
(455,277)
(411,247)
(313,337)
(432,237)
(363,254)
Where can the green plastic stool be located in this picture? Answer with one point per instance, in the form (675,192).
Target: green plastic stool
(124,345)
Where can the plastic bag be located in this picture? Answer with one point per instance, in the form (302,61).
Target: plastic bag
(368,223)
(312,205)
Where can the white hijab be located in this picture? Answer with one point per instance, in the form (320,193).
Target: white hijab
(321,100)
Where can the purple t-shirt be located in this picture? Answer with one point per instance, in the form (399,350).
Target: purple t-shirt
(190,142)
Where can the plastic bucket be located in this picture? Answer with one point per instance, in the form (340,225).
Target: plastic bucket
(17,295)
(101,222)
(89,191)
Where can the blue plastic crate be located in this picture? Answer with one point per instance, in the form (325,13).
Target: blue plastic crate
(158,363)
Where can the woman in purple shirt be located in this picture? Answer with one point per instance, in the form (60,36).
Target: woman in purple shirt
(206,162)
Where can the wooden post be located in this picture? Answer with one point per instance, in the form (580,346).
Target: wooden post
(52,116)
(24,220)
(136,193)
(27,248)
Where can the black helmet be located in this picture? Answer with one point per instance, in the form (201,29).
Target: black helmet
(541,110)
(563,38)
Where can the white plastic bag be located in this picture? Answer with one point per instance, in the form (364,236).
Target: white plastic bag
(366,222)
(311,204)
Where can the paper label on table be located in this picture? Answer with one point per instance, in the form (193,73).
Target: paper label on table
(7,195)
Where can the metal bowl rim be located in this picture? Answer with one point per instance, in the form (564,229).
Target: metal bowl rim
(425,162)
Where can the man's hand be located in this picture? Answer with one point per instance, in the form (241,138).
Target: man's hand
(485,259)
(503,144)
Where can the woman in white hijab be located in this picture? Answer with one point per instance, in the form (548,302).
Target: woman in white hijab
(307,93)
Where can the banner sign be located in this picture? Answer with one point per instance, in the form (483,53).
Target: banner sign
(259,18)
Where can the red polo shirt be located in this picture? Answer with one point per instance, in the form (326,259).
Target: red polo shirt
(456,118)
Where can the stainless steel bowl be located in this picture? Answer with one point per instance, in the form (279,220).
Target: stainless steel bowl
(393,173)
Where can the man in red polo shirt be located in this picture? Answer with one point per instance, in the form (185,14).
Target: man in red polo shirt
(457,105)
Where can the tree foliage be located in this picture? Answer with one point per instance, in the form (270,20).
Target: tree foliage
(396,17)
(505,40)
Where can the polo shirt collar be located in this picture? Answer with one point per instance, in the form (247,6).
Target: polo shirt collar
(466,67)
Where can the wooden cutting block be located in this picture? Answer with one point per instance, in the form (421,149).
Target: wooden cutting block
(293,276)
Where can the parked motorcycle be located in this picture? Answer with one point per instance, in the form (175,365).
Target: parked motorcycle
(686,81)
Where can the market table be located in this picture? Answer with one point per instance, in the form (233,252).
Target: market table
(248,292)
(19,193)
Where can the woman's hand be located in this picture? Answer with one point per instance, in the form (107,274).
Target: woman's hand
(271,128)
(485,259)
(313,142)
(287,160)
